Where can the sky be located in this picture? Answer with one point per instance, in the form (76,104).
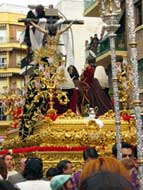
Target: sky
(27,2)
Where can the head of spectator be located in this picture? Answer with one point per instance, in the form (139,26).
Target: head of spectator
(22,164)
(95,36)
(33,169)
(3,170)
(128,163)
(104,164)
(51,172)
(105,180)
(9,161)
(61,182)
(6,185)
(126,148)
(65,167)
(89,153)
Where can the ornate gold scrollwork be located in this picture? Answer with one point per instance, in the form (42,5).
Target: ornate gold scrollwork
(62,98)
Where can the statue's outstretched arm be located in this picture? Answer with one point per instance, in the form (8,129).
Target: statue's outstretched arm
(66,28)
(38,28)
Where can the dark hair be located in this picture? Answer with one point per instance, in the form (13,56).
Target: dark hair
(74,74)
(90,152)
(40,11)
(123,144)
(51,172)
(62,165)
(106,180)
(6,185)
(7,154)
(3,169)
(91,61)
(65,184)
(119,59)
(33,169)
(52,29)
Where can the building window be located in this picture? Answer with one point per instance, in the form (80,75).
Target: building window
(138,7)
(18,60)
(141,78)
(2,117)
(18,34)
(3,36)
(3,61)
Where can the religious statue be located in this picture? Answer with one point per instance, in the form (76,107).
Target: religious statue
(42,88)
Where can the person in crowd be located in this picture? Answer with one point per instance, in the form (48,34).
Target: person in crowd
(89,153)
(105,180)
(61,182)
(19,176)
(126,149)
(9,161)
(104,164)
(94,43)
(133,171)
(33,173)
(6,185)
(3,170)
(86,49)
(130,162)
(51,172)
(65,167)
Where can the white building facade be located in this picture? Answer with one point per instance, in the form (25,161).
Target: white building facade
(73,10)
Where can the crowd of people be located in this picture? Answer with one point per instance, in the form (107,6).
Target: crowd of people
(97,172)
(92,45)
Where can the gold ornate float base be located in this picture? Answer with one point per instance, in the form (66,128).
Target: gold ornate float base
(70,130)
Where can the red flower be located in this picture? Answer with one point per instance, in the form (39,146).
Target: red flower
(52,116)
(126,117)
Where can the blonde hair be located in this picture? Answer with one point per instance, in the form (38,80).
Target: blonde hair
(104,164)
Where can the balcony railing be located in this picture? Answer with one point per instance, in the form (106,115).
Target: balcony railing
(104,46)
(88,3)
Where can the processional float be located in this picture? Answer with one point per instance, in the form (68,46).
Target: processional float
(53,137)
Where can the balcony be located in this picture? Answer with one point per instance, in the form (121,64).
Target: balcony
(105,45)
(103,52)
(91,8)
